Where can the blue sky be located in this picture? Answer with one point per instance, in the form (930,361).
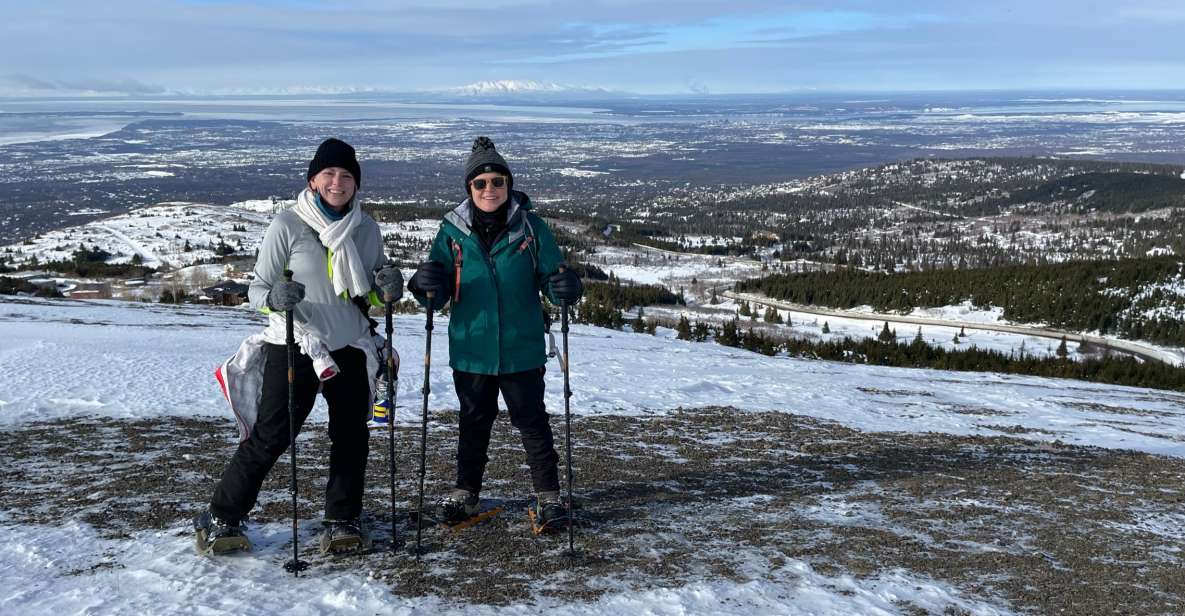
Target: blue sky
(644,46)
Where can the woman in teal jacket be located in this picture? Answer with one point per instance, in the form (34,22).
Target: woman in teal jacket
(491,258)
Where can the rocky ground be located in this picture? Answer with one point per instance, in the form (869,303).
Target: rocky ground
(665,500)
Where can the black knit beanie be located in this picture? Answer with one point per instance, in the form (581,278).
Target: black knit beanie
(485,159)
(335,153)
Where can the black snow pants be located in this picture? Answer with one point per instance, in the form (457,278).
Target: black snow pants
(348,397)
(523,393)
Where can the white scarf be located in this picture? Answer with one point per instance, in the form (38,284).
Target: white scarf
(349,274)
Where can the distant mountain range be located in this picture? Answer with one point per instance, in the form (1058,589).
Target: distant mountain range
(511,88)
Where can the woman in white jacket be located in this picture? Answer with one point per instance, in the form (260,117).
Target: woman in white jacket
(335,252)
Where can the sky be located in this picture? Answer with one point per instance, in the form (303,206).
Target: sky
(148,47)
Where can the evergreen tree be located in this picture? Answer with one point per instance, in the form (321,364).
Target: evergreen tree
(1062,351)
(683,329)
(638,324)
(886,334)
(728,333)
(826,328)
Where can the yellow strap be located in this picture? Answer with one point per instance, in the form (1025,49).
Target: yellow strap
(329,267)
(477,519)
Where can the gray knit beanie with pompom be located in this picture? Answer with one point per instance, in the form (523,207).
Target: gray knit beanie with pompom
(485,159)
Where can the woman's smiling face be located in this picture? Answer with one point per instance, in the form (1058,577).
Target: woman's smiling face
(335,185)
(490,196)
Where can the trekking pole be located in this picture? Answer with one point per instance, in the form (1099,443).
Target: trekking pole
(389,300)
(424,424)
(296,565)
(567,417)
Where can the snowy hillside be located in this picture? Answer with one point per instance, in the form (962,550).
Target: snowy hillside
(169,235)
(621,366)
(176,236)
(179,235)
(709,481)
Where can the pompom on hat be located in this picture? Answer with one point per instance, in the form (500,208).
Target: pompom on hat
(485,159)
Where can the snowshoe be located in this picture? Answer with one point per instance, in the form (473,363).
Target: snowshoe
(549,513)
(458,510)
(339,536)
(217,536)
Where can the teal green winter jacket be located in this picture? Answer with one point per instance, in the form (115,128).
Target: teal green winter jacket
(496,322)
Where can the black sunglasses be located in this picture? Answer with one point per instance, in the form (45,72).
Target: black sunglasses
(480,183)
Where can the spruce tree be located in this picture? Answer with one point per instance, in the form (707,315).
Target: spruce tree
(638,324)
(728,333)
(683,329)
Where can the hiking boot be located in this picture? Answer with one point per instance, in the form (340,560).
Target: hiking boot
(342,536)
(215,535)
(550,512)
(458,506)
(380,414)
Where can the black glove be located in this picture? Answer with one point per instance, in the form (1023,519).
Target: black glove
(285,295)
(566,286)
(389,281)
(430,276)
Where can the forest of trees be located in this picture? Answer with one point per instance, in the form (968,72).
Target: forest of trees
(886,351)
(1110,297)
(14,286)
(604,302)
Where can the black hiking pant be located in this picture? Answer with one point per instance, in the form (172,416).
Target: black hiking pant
(523,393)
(348,398)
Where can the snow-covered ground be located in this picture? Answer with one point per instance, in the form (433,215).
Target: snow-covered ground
(65,359)
(674,270)
(168,235)
(810,326)
(620,369)
(175,235)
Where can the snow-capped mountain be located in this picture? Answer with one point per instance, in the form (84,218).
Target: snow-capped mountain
(514,87)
